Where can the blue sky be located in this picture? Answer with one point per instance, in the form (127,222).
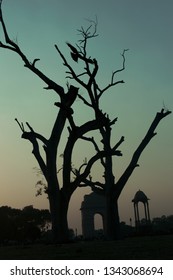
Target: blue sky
(145,27)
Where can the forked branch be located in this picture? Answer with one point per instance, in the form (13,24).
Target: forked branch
(113,82)
(86,34)
(32,137)
(31,134)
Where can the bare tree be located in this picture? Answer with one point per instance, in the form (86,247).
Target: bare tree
(59,194)
(111,189)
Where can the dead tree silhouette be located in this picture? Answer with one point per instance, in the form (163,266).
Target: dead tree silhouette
(59,194)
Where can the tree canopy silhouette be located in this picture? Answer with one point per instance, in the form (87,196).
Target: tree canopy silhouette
(22,225)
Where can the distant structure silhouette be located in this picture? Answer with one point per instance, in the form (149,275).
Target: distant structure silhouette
(91,205)
(141,197)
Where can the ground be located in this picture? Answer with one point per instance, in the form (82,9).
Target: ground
(134,248)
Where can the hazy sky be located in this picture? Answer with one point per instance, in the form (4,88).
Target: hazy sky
(145,27)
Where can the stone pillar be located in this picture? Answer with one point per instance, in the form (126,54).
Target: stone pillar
(87,223)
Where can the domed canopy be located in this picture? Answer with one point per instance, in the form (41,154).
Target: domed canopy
(140,196)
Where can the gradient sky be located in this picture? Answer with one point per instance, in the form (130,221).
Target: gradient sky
(145,27)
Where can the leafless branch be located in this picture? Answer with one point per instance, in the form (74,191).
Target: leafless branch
(91,162)
(113,121)
(89,32)
(113,83)
(20,125)
(80,168)
(32,133)
(84,100)
(91,139)
(34,61)
(74,135)
(71,71)
(134,161)
(119,143)
(32,137)
(123,66)
(12,46)
(95,186)
(61,168)
(31,129)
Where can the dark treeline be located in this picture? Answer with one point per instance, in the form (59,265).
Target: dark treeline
(33,225)
(163,224)
(157,226)
(22,225)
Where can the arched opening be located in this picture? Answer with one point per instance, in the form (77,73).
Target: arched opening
(141,212)
(98,221)
(98,225)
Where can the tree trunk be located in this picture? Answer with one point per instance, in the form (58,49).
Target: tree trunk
(112,228)
(59,209)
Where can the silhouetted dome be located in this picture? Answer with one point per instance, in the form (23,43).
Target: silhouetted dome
(140,196)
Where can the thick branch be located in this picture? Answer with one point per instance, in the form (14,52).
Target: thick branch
(134,161)
(95,186)
(37,135)
(32,137)
(75,134)
(91,162)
